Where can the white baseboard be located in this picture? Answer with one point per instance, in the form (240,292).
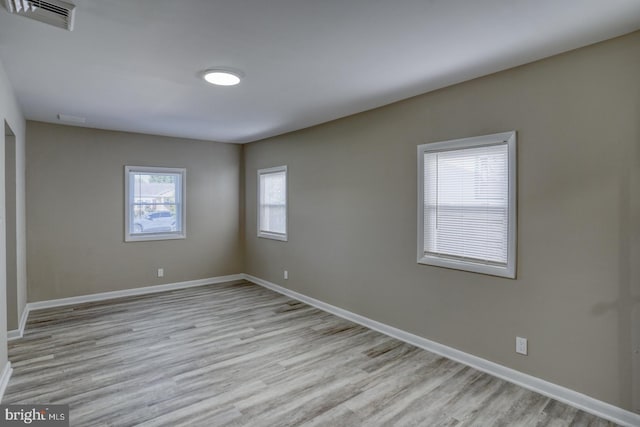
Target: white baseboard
(131,292)
(39,305)
(4,379)
(14,334)
(557,392)
(17,333)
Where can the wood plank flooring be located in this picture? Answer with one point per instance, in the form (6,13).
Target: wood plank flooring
(237,354)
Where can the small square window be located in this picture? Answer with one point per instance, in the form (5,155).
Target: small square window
(154,203)
(467,204)
(272,203)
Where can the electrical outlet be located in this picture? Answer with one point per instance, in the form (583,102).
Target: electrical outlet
(286,274)
(521,345)
(161,272)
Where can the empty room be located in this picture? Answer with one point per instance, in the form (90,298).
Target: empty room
(320,213)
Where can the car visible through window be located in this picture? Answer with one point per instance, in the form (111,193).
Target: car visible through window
(155,222)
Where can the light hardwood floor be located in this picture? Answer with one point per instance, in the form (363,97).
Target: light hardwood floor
(237,354)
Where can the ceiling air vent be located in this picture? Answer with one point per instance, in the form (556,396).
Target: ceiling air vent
(53,12)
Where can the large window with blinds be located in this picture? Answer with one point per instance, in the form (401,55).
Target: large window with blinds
(272,203)
(467,204)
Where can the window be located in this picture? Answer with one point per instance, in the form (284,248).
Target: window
(272,203)
(154,203)
(467,204)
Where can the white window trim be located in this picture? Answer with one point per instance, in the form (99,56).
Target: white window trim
(270,235)
(128,237)
(510,270)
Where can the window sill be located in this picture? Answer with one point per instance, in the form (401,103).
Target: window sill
(152,237)
(273,236)
(492,270)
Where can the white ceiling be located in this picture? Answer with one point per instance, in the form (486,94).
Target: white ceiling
(133,65)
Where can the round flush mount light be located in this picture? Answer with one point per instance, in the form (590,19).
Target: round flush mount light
(222,76)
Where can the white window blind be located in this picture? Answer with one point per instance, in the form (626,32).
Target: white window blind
(468,204)
(272,203)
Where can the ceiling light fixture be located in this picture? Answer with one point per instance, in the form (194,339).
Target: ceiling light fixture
(223,76)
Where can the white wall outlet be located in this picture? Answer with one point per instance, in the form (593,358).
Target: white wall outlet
(161,272)
(521,345)
(286,274)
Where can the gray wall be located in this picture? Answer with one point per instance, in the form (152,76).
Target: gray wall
(75,211)
(11,116)
(10,228)
(352,219)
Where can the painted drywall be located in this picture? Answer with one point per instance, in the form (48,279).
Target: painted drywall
(75,211)
(352,219)
(11,117)
(10,228)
